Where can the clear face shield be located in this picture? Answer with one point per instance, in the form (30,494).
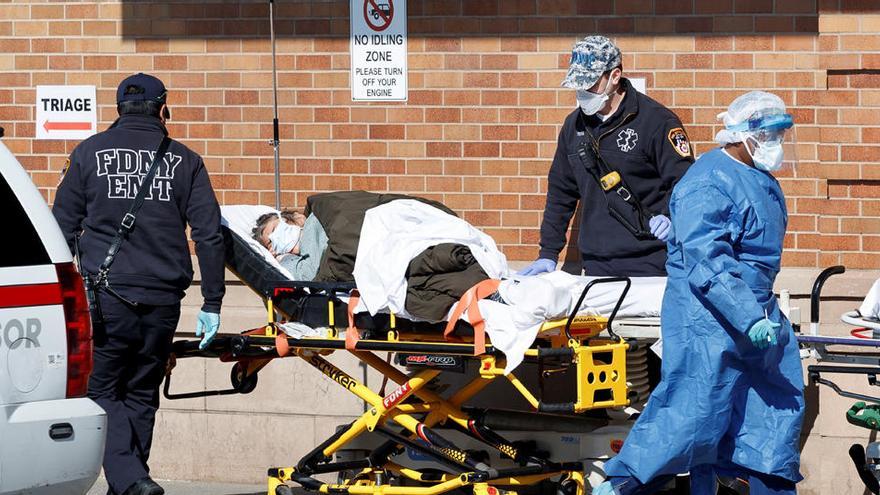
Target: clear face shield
(771,141)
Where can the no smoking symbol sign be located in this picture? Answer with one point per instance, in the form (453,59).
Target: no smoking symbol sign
(378,14)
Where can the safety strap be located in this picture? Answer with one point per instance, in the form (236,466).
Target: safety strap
(128,220)
(601,164)
(467,303)
(282,346)
(611,182)
(351,333)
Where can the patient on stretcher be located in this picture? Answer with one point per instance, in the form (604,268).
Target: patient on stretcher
(415,258)
(297,242)
(436,278)
(325,243)
(410,256)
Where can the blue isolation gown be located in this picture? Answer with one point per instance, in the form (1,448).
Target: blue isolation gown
(721,401)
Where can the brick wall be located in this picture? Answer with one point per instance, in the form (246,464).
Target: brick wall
(484,108)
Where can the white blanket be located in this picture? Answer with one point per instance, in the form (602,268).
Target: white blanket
(396,232)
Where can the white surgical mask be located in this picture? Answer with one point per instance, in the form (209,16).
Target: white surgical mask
(285,237)
(767,156)
(591,103)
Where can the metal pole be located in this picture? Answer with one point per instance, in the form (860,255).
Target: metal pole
(275,134)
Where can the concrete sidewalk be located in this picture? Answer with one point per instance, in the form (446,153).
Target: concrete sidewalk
(196,488)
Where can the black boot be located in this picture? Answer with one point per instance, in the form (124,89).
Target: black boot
(144,486)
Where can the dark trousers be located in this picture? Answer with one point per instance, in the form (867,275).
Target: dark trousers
(131,352)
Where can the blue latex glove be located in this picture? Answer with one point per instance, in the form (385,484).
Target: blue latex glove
(208,323)
(660,225)
(763,333)
(540,265)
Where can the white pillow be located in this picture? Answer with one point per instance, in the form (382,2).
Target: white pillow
(241,220)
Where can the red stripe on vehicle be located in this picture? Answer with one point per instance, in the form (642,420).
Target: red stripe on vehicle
(17,296)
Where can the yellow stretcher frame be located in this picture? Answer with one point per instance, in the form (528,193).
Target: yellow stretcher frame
(437,411)
(599,362)
(574,338)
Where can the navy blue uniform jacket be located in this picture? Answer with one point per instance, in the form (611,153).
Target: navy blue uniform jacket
(646,143)
(98,187)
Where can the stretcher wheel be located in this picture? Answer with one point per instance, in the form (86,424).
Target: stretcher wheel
(283,490)
(244,384)
(567,487)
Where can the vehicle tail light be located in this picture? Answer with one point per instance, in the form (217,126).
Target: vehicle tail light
(79,329)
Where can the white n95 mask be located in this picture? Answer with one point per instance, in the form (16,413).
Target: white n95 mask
(591,103)
(767,156)
(285,237)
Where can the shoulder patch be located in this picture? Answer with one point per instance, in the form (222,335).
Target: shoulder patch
(679,141)
(63,172)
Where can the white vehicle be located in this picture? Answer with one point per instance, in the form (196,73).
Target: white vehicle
(51,435)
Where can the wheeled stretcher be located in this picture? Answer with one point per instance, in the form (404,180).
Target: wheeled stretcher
(408,417)
(598,362)
(858,354)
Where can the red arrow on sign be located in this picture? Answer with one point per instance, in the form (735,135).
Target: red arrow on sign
(67,126)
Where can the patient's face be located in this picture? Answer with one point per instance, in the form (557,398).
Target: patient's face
(267,231)
(298,219)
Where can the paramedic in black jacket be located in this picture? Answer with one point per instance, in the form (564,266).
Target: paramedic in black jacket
(148,276)
(641,140)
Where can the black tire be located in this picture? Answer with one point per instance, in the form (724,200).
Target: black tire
(283,490)
(567,487)
(243,384)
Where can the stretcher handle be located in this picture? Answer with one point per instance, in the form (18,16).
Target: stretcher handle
(190,348)
(166,391)
(242,383)
(853,370)
(817,290)
(556,407)
(608,280)
(562,352)
(814,371)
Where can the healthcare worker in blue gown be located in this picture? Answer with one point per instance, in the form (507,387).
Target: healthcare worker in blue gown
(730,400)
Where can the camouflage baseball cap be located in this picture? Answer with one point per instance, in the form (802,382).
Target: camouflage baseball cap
(590,58)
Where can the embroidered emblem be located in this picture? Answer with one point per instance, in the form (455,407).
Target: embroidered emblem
(679,141)
(627,139)
(63,172)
